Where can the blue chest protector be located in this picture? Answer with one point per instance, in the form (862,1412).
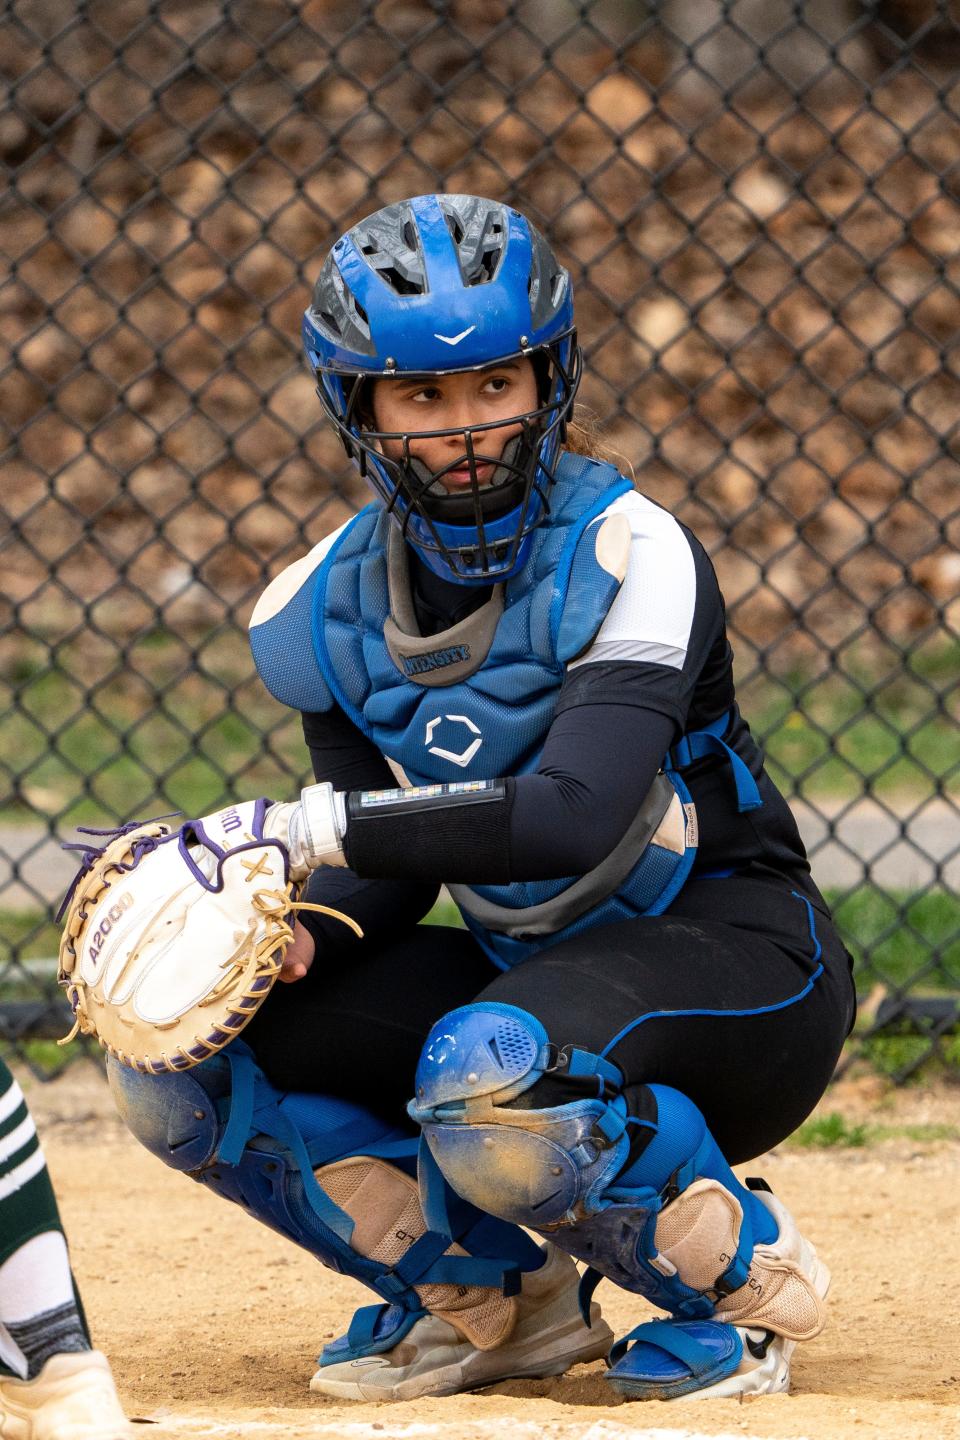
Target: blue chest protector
(476,702)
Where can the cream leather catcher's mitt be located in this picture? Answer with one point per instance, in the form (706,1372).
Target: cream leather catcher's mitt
(174,936)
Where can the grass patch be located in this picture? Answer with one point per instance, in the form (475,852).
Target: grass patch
(27,935)
(833,1131)
(173,728)
(886,721)
(904,940)
(46,1057)
(907,1059)
(924,1134)
(830,1132)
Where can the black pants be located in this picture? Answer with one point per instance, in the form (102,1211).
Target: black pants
(740,996)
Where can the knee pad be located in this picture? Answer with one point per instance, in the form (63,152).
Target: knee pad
(534,1167)
(334,1179)
(675,1225)
(173,1115)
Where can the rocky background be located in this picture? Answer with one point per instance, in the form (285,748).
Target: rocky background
(761,218)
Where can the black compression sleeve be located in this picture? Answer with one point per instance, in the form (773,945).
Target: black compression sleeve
(432,830)
(598,763)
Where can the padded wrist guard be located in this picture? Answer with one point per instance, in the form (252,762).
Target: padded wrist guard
(310,830)
(321,825)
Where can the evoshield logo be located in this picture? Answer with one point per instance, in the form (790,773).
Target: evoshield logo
(462,758)
(434,659)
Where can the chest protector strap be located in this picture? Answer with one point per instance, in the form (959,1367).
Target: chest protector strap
(661,814)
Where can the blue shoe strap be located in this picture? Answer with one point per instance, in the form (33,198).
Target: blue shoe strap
(674,1340)
(362,1339)
(363,1326)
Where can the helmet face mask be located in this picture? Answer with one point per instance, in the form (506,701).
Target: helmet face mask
(476,532)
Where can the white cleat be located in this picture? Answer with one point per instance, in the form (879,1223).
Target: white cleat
(432,1358)
(73,1398)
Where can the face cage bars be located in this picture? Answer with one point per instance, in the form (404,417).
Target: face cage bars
(406,484)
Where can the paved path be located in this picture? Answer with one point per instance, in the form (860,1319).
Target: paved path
(908,847)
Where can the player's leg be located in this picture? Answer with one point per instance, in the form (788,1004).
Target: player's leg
(597,1092)
(467,1305)
(52,1381)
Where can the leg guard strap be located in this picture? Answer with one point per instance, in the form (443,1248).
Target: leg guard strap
(251,1114)
(373,1330)
(426,1261)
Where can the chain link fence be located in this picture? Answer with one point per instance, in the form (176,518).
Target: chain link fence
(760,205)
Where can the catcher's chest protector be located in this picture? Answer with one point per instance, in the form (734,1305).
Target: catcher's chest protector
(472,703)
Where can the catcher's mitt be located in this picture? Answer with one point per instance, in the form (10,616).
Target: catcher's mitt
(174,936)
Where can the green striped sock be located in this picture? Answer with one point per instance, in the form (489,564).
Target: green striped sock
(28,1209)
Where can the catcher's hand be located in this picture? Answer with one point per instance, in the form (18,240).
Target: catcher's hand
(174,937)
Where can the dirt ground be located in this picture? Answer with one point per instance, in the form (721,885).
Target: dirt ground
(212,1322)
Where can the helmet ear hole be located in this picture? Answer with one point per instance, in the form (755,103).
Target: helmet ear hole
(543,374)
(360,402)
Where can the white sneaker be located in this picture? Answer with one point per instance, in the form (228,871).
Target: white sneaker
(433,1359)
(73,1398)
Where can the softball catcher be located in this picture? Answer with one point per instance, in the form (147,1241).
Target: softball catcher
(515,679)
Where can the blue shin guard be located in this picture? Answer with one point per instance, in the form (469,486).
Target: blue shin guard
(225,1125)
(565,1171)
